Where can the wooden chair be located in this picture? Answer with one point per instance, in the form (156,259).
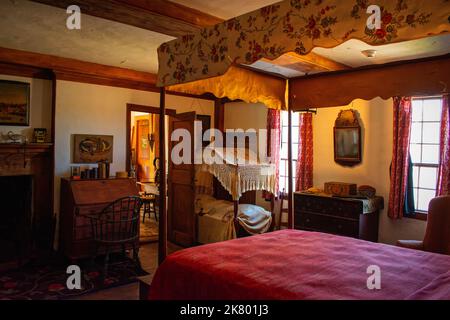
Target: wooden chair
(437,235)
(283,197)
(117,225)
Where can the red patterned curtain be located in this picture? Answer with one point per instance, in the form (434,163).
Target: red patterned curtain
(273,144)
(400,155)
(304,176)
(443,187)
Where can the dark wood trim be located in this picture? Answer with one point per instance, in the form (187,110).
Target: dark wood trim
(123,83)
(219,115)
(418,216)
(139,108)
(25,71)
(371,67)
(106,81)
(205,96)
(53,154)
(156,15)
(162,244)
(42,66)
(149,109)
(420,77)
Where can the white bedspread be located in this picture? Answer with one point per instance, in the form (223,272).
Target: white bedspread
(215,219)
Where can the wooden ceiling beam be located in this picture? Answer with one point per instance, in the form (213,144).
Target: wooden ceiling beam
(42,66)
(420,77)
(68,65)
(155,15)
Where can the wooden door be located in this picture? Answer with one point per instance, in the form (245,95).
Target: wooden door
(144,165)
(181,188)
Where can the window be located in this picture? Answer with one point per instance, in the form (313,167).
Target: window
(283,179)
(424,149)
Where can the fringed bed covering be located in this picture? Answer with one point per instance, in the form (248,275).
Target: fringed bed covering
(238,174)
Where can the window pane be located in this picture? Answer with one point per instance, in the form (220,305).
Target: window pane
(295,134)
(282,184)
(425,196)
(284,151)
(284,117)
(430,154)
(295,119)
(284,134)
(416,152)
(416,132)
(283,168)
(428,178)
(416,198)
(294,151)
(431,132)
(416,176)
(432,109)
(417,110)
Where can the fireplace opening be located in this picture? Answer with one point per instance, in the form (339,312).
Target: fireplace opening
(16,217)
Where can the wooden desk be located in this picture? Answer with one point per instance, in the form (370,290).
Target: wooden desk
(80,198)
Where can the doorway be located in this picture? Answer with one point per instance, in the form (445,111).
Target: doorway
(143,144)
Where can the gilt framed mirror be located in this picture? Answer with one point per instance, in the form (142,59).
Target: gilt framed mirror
(347,139)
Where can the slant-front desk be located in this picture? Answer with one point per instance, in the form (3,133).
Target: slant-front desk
(81,198)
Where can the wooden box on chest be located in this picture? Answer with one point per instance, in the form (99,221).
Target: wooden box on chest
(80,198)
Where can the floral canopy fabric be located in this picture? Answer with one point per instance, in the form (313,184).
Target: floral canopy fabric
(295,26)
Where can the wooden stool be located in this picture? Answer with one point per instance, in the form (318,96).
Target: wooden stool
(149,203)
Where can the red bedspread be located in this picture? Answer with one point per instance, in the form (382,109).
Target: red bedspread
(294,264)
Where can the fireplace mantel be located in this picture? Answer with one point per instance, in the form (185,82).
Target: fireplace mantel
(17,159)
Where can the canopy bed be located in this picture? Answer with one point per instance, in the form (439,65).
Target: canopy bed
(216,202)
(221,60)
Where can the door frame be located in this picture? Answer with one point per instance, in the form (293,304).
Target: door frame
(139,108)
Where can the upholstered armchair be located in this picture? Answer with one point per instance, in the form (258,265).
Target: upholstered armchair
(437,235)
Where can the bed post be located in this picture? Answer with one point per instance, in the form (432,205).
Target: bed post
(236,223)
(290,184)
(162,244)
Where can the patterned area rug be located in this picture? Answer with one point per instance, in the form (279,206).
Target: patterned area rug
(48,282)
(148,230)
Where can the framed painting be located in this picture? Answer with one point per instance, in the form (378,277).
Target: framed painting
(14,103)
(89,148)
(347,139)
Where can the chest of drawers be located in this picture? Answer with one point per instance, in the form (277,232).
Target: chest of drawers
(341,216)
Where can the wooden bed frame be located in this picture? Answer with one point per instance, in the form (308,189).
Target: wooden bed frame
(182,226)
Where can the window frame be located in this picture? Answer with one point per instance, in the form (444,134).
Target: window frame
(295,124)
(419,214)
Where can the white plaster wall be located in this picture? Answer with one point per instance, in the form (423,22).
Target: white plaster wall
(376,120)
(94,109)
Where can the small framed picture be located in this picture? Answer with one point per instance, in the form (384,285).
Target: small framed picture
(40,135)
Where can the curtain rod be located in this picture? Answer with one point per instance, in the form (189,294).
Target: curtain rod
(308,111)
